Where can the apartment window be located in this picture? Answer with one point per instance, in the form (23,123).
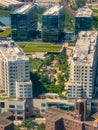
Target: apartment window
(2,104)
(11,106)
(43,104)
(42,110)
(19,107)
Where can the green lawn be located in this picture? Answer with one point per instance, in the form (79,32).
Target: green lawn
(5,33)
(35,63)
(22,45)
(39,47)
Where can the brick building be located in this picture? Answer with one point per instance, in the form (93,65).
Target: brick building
(57,119)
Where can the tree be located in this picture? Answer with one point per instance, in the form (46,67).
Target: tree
(38,86)
(41,126)
(60,77)
(16,127)
(40,12)
(29,123)
(80,3)
(47,61)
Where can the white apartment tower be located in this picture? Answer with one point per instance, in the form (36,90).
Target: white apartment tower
(14,71)
(83,66)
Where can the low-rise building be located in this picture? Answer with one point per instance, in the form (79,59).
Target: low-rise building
(21,109)
(41,105)
(57,119)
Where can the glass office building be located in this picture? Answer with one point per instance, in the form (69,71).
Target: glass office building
(83,20)
(24,22)
(52,24)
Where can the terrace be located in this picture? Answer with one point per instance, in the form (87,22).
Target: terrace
(29,47)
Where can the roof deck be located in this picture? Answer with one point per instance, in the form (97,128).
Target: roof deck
(23,9)
(85,48)
(84,12)
(53,10)
(11,51)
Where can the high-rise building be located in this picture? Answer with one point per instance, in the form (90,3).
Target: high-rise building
(14,71)
(83,66)
(83,20)
(24,22)
(52,24)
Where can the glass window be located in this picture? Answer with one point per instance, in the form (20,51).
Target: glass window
(19,107)
(43,104)
(11,106)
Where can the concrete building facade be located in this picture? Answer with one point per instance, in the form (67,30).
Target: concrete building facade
(52,24)
(83,66)
(14,71)
(24,22)
(83,20)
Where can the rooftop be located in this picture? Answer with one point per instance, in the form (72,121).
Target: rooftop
(84,12)
(9,2)
(95,115)
(56,114)
(3,119)
(24,9)
(11,51)
(85,48)
(11,100)
(53,10)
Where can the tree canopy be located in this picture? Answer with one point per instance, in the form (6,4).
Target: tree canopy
(41,126)
(29,123)
(80,3)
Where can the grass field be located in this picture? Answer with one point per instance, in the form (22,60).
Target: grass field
(5,33)
(22,45)
(35,63)
(39,47)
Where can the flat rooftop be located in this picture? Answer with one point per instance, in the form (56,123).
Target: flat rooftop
(85,48)
(10,50)
(23,9)
(53,10)
(9,2)
(84,12)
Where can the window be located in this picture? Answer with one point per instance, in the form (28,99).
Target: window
(2,105)
(43,104)
(42,110)
(11,106)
